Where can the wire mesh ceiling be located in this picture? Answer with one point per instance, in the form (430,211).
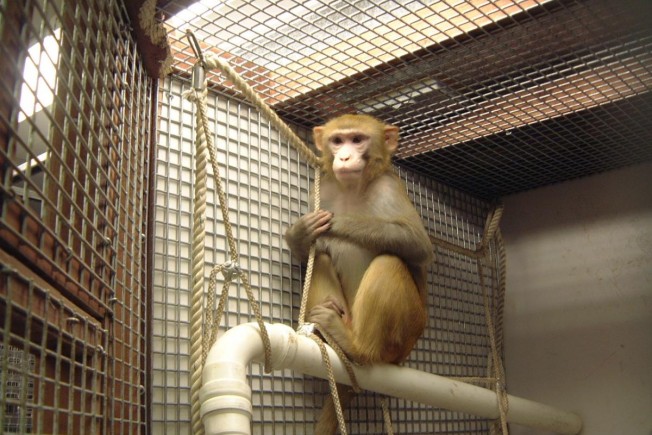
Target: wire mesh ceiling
(492,97)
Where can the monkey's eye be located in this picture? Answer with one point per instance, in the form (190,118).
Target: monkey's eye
(337,140)
(357,139)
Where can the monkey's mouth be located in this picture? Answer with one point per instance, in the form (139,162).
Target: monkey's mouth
(349,172)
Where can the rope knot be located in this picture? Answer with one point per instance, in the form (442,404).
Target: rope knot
(306,329)
(231,268)
(194,95)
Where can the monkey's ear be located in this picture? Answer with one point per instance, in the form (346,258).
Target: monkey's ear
(391,138)
(318,133)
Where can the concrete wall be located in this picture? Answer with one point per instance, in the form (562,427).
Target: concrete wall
(578,315)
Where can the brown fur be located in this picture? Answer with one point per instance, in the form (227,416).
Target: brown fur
(368,285)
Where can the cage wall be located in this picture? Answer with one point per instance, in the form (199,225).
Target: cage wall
(267,187)
(74,142)
(578,322)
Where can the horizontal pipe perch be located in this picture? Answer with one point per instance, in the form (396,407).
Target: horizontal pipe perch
(225,396)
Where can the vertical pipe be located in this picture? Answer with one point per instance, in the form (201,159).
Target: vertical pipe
(151,222)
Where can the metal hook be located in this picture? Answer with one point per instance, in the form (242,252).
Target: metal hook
(194,44)
(199,70)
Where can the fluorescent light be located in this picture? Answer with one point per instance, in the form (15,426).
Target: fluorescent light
(39,76)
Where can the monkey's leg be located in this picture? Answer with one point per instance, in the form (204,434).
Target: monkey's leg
(325,292)
(325,282)
(327,424)
(327,306)
(388,315)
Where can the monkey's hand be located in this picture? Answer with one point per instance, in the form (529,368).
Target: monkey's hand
(305,230)
(334,305)
(333,317)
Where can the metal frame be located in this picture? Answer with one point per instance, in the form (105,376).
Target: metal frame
(74,142)
(267,186)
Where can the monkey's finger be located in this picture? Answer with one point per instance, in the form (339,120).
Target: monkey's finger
(321,229)
(335,305)
(312,218)
(321,215)
(321,223)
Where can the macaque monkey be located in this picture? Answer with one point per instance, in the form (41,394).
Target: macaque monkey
(368,287)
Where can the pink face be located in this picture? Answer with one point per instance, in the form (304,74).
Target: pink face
(348,148)
(359,145)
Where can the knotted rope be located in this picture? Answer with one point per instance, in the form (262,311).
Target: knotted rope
(201,343)
(481,254)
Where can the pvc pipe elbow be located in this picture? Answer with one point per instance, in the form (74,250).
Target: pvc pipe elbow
(225,395)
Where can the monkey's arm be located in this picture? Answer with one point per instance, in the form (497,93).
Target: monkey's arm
(389,224)
(399,236)
(305,230)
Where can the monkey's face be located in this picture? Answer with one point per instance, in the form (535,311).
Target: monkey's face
(349,149)
(355,148)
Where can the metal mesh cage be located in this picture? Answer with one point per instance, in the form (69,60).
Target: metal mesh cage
(74,140)
(492,97)
(55,371)
(267,187)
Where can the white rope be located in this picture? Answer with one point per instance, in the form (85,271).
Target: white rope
(200,343)
(199,233)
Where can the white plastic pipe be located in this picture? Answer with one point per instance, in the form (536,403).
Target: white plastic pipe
(225,396)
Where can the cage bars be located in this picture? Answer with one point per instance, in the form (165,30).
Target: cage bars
(267,186)
(516,94)
(74,136)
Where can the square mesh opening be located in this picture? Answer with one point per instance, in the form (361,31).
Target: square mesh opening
(492,97)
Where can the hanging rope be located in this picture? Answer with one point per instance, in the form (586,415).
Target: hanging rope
(311,257)
(386,417)
(200,347)
(229,270)
(198,341)
(501,391)
(199,233)
(492,232)
(499,297)
(201,343)
(482,254)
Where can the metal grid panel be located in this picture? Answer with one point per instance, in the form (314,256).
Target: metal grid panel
(266,185)
(492,97)
(74,137)
(53,361)
(267,188)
